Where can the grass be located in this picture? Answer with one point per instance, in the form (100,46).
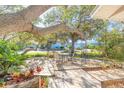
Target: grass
(93,53)
(36,54)
(31,54)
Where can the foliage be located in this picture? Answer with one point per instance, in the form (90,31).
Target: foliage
(9,59)
(10,8)
(22,39)
(112,44)
(118,52)
(2,83)
(79,48)
(91,46)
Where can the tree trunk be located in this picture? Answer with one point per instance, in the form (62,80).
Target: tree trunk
(73,47)
(85,52)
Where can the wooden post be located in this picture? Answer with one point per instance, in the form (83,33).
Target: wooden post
(39,81)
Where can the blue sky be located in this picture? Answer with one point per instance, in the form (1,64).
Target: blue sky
(116,25)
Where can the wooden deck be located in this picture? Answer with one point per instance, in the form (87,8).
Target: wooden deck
(73,76)
(73,79)
(110,74)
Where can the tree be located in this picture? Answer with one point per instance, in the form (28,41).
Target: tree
(21,21)
(73,16)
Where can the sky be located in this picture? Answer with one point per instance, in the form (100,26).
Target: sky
(115,25)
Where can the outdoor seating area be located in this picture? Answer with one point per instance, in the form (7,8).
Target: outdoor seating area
(61,46)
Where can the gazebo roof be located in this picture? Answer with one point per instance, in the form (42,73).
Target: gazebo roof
(111,12)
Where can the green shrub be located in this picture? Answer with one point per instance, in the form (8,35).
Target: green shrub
(90,46)
(9,58)
(79,48)
(62,47)
(2,83)
(118,52)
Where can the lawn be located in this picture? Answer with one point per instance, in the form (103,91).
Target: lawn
(38,54)
(92,53)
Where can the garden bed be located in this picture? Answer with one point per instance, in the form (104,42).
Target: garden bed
(30,83)
(116,83)
(16,78)
(99,68)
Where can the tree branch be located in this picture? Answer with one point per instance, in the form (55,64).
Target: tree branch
(22,20)
(33,12)
(48,30)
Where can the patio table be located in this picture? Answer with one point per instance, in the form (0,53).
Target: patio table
(64,56)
